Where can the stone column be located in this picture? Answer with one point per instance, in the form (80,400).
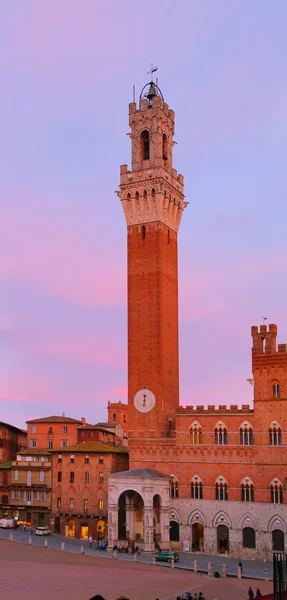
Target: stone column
(130,520)
(148,529)
(164,528)
(113,525)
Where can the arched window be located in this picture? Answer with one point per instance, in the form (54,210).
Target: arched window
(145,144)
(247,491)
(276,491)
(164,147)
(249,538)
(143,232)
(246,435)
(221,489)
(114,417)
(220,435)
(275,436)
(276,390)
(196,488)
(195,433)
(173,487)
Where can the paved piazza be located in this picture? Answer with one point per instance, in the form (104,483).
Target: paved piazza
(34,573)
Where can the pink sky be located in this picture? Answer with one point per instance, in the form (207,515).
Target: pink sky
(67,72)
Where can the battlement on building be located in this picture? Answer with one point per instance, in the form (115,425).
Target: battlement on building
(265,340)
(212,409)
(130,178)
(157,103)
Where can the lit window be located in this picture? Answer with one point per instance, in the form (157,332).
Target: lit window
(86,504)
(101,505)
(101,478)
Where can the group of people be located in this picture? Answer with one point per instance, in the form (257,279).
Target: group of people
(188,596)
(252,595)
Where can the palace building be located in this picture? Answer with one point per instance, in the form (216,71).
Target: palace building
(213,479)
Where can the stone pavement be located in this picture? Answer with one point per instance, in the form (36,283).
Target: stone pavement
(34,573)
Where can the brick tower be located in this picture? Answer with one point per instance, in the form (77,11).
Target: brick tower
(152,198)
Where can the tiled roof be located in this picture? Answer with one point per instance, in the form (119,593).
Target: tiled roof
(37,451)
(13,427)
(150,473)
(6,465)
(110,424)
(87,426)
(96,447)
(54,419)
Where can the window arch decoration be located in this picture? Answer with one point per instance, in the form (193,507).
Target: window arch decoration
(276,492)
(246,434)
(247,490)
(221,488)
(220,434)
(195,433)
(173,487)
(275,435)
(196,488)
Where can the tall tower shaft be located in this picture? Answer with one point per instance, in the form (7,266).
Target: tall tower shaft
(153,202)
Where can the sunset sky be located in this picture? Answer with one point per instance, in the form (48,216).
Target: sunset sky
(67,68)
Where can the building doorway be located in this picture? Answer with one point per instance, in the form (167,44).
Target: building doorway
(174,531)
(222,539)
(84,532)
(197,537)
(28,519)
(156,519)
(278,540)
(70,528)
(57,525)
(101,528)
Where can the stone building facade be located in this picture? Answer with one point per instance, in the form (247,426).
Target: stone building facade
(226,466)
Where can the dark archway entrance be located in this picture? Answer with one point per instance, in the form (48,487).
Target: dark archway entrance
(174,531)
(130,516)
(197,537)
(57,525)
(222,539)
(278,540)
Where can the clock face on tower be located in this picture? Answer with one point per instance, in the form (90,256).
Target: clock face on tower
(144,400)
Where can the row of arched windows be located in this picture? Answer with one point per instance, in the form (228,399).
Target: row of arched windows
(221,490)
(245,435)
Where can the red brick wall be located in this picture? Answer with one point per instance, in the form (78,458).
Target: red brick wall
(152,326)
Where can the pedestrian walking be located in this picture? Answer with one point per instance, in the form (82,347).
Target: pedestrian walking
(250,593)
(258,593)
(90,541)
(240,566)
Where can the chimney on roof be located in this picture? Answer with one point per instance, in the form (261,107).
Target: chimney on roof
(83,420)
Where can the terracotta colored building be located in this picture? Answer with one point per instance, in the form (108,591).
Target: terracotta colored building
(80,487)
(52,432)
(12,440)
(216,477)
(5,476)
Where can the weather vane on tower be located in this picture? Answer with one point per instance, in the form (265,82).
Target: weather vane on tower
(152,71)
